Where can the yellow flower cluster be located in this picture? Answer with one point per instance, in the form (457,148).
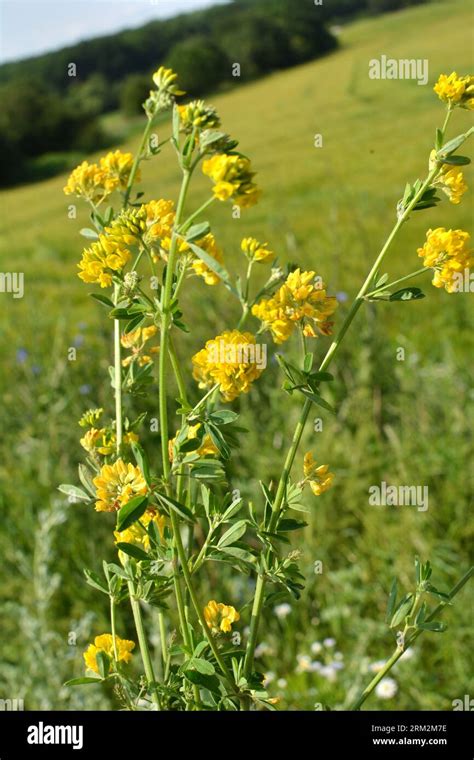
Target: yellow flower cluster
(103,441)
(135,341)
(105,643)
(219,617)
(456,91)
(104,257)
(207,447)
(116,484)
(208,244)
(450,179)
(448,253)
(95,182)
(198,115)
(230,361)
(318,477)
(90,417)
(233,178)
(300,300)
(165,80)
(256,251)
(136,534)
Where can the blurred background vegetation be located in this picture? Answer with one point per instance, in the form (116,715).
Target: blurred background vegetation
(329,208)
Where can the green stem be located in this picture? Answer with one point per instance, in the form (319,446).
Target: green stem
(365,694)
(164,647)
(118,377)
(142,643)
(112,626)
(397,282)
(290,457)
(187,224)
(136,162)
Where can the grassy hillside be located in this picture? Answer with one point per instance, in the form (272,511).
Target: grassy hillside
(405,422)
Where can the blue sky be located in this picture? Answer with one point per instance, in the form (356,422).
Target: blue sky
(29,27)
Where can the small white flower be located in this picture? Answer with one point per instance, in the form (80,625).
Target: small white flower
(338,656)
(376,667)
(316,647)
(386,689)
(282,683)
(282,610)
(268,678)
(329,673)
(329,643)
(304,663)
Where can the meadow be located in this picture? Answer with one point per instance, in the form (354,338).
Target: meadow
(403,422)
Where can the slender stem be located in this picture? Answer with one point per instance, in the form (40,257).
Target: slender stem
(397,282)
(290,457)
(142,643)
(117,377)
(365,694)
(136,162)
(187,224)
(112,626)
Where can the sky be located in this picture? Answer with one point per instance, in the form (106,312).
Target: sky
(30,27)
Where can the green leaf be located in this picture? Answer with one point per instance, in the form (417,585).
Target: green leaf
(74,492)
(435,626)
(308,362)
(203,666)
(88,233)
(142,461)
(233,534)
(392,600)
(95,581)
(179,508)
(80,681)
(290,524)
(451,146)
(407,294)
(133,551)
(457,160)
(214,265)
(131,512)
(316,399)
(403,610)
(211,683)
(103,663)
(417,570)
(197,231)
(102,299)
(223,416)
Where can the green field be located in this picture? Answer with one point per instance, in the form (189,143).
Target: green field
(404,422)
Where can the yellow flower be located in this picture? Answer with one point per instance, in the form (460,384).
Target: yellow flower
(135,534)
(207,447)
(90,182)
(116,484)
(450,179)
(199,115)
(256,251)
(219,617)
(232,360)
(318,477)
(105,643)
(101,260)
(90,417)
(117,166)
(208,244)
(448,253)
(456,91)
(165,80)
(90,439)
(300,300)
(233,178)
(136,340)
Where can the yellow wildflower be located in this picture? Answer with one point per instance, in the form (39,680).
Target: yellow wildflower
(300,300)
(256,251)
(207,447)
(232,360)
(233,178)
(105,643)
(448,253)
(135,534)
(219,617)
(208,244)
(198,114)
(450,179)
(116,484)
(318,477)
(90,182)
(135,340)
(456,91)
(117,166)
(101,260)
(165,80)
(90,417)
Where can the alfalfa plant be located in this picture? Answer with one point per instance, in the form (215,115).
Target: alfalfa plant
(176,513)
